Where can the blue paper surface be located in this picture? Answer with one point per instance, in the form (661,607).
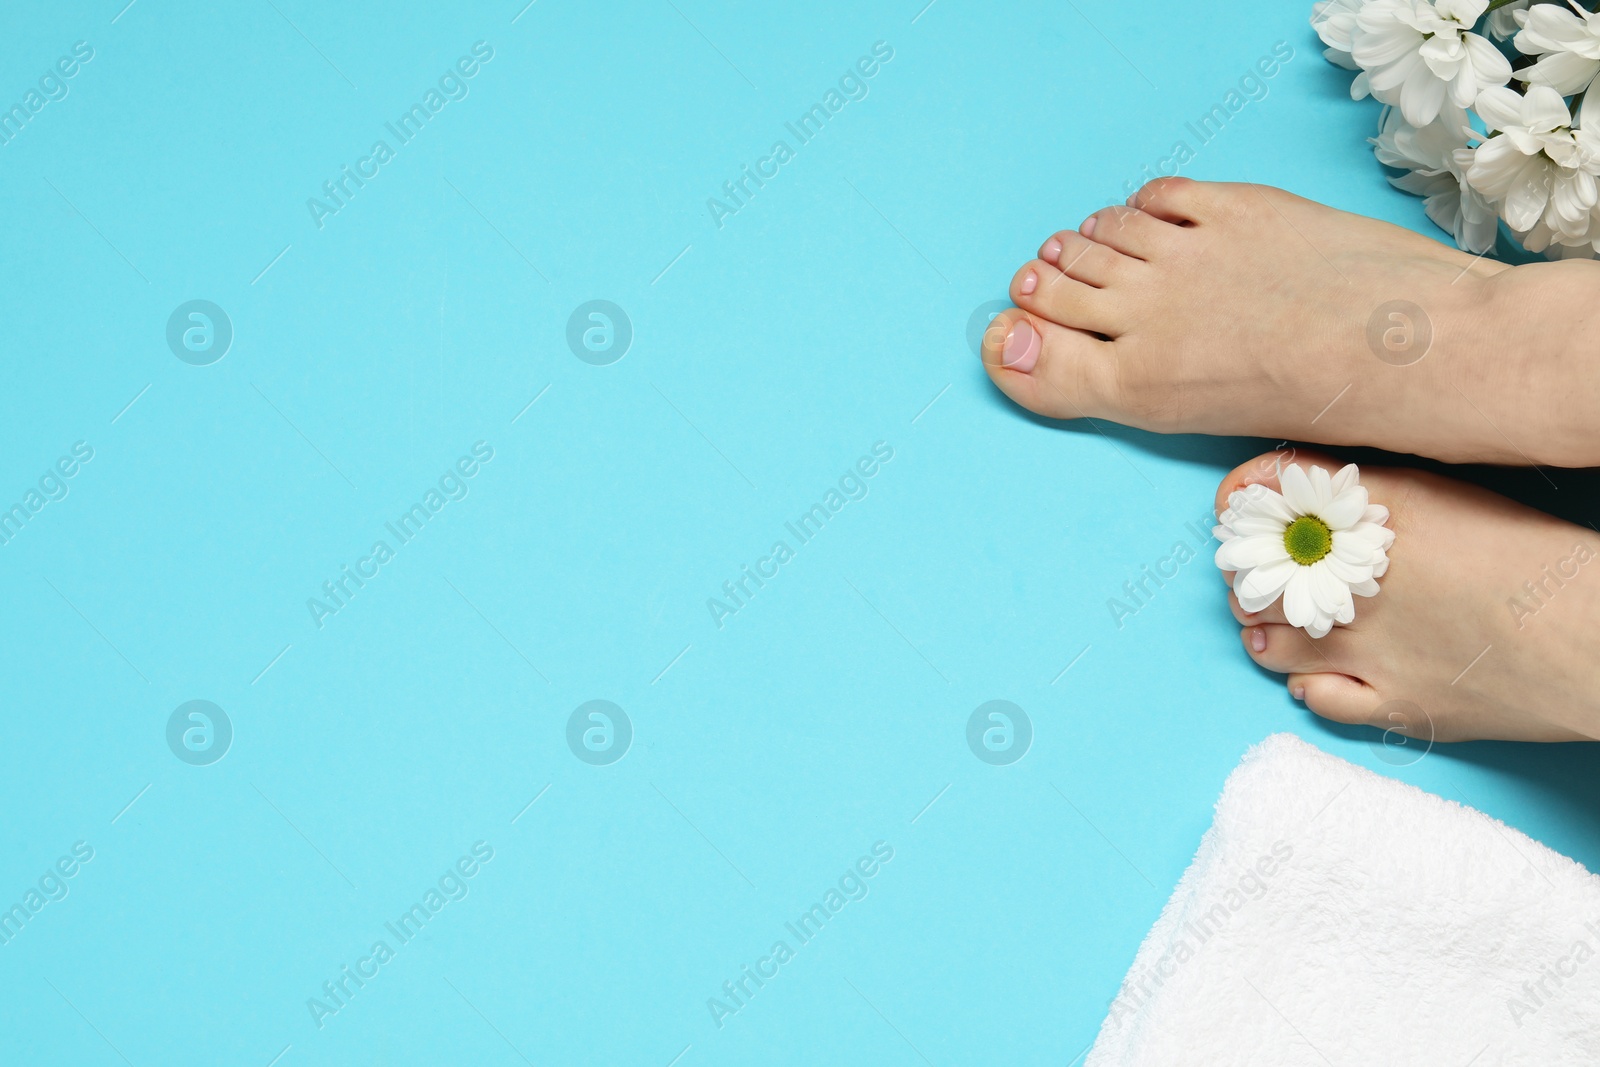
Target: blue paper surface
(388,463)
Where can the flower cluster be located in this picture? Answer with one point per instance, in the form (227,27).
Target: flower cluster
(1490,111)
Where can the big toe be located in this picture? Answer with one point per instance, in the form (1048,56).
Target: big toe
(1049,369)
(1184,201)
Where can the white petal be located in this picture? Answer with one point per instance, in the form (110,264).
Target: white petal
(1422,96)
(1322,486)
(1377,45)
(1298,607)
(1489,66)
(1257,499)
(1356,549)
(1254,551)
(1348,475)
(1571,200)
(1496,165)
(1543,109)
(1340,58)
(1327,592)
(1251,605)
(1351,574)
(1463,11)
(1550,28)
(1297,491)
(1252,602)
(1345,509)
(1265,581)
(1565,72)
(1527,195)
(1589,111)
(1499,108)
(1319,626)
(1382,535)
(1245,525)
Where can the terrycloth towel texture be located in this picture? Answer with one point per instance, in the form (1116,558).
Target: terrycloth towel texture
(1336,917)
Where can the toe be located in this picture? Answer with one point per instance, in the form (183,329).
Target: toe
(1132,232)
(1045,291)
(1343,699)
(1048,368)
(1286,649)
(1176,200)
(1088,261)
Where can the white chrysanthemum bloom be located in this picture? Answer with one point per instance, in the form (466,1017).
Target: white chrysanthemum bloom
(1318,544)
(1568,44)
(1437,157)
(1335,21)
(1503,21)
(1416,53)
(1539,169)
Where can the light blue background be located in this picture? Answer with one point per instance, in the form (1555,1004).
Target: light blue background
(769,755)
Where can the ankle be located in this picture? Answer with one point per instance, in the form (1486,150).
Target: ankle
(1538,342)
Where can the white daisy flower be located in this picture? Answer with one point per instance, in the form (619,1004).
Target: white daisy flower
(1437,157)
(1318,544)
(1418,53)
(1540,169)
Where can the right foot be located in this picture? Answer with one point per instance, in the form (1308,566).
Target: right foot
(1244,310)
(1484,625)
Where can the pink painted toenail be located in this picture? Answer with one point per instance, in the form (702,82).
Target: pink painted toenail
(1022,347)
(1299,692)
(1051,252)
(1030,282)
(1258,639)
(1087,229)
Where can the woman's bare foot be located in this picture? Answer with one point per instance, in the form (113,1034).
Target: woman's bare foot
(1241,309)
(1487,624)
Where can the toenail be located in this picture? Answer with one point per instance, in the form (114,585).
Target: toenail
(1087,229)
(1258,639)
(1030,282)
(1051,251)
(1299,692)
(1021,351)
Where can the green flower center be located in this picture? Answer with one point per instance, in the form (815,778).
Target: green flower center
(1308,539)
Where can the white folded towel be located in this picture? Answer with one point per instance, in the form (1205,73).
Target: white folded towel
(1334,916)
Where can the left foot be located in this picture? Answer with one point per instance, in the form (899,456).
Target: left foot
(1240,309)
(1487,623)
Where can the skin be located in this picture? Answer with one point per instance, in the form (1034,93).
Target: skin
(1460,555)
(1240,309)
